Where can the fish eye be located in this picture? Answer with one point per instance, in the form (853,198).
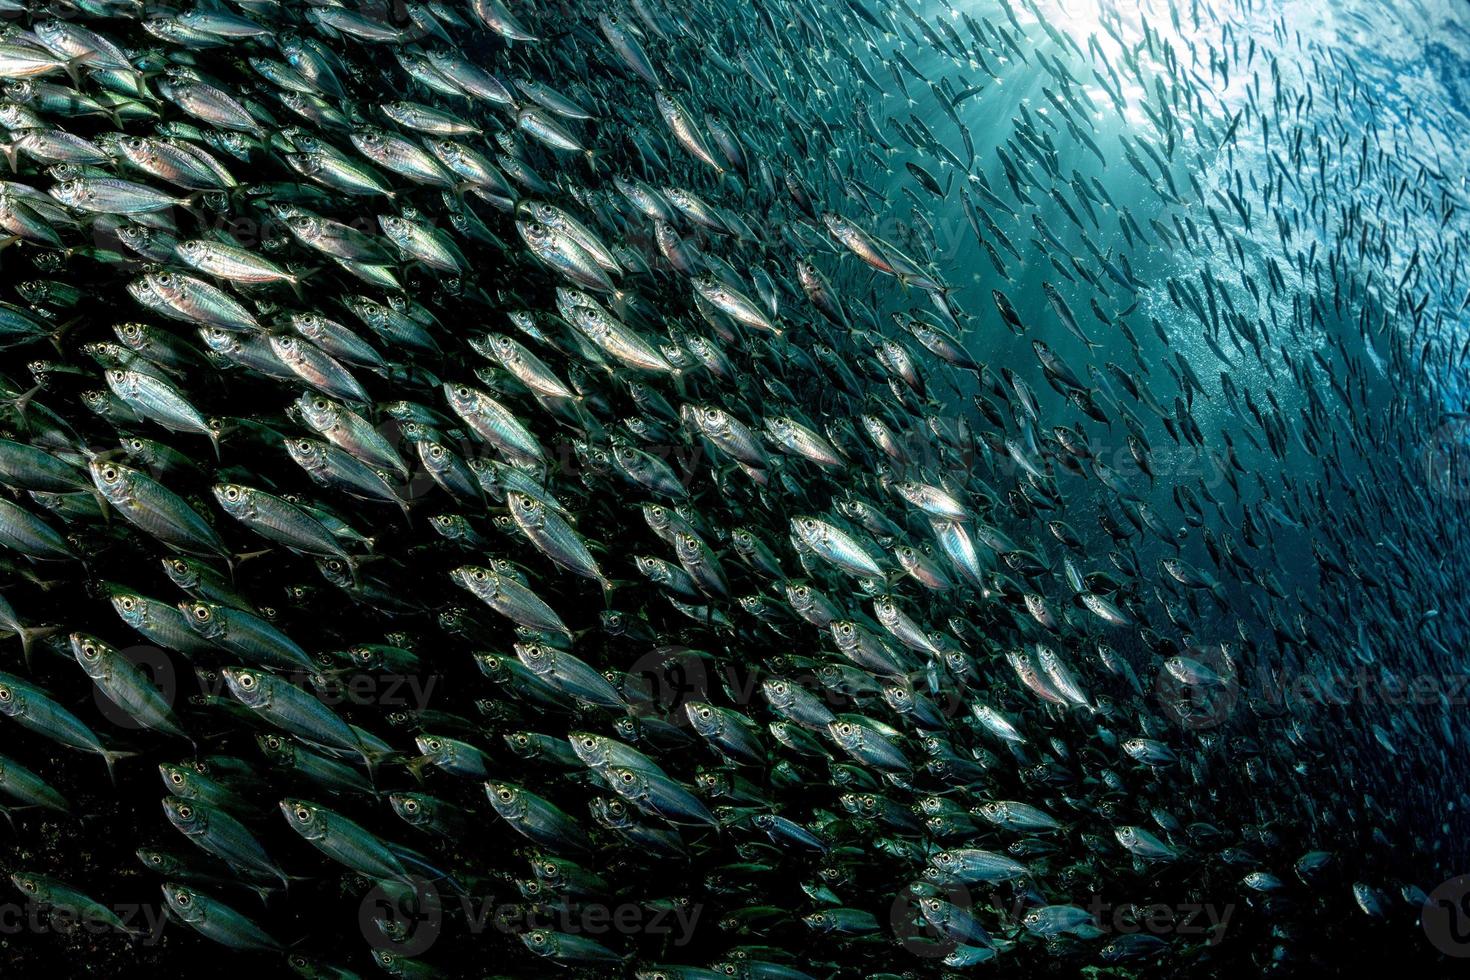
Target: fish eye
(186,811)
(505,795)
(410,806)
(176,778)
(626,777)
(5,694)
(303,814)
(182,898)
(247,681)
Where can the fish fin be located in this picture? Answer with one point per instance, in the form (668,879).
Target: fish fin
(71,65)
(297,279)
(111,756)
(27,633)
(417,766)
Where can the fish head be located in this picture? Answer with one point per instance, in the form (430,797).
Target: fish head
(237,501)
(155,860)
(412,808)
(132,334)
(275,748)
(177,779)
(845,734)
(12,698)
(436,748)
(537,234)
(185,815)
(32,886)
(306,453)
(845,632)
(182,902)
(703,716)
(192,250)
(204,618)
(307,819)
(112,479)
(538,657)
(250,687)
(90,652)
(595,751)
(509,801)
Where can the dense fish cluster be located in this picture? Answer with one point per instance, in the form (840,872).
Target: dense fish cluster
(694,489)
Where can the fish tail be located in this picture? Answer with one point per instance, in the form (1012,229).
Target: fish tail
(110,757)
(70,65)
(417,766)
(31,633)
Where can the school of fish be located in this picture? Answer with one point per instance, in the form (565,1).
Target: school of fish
(852,488)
